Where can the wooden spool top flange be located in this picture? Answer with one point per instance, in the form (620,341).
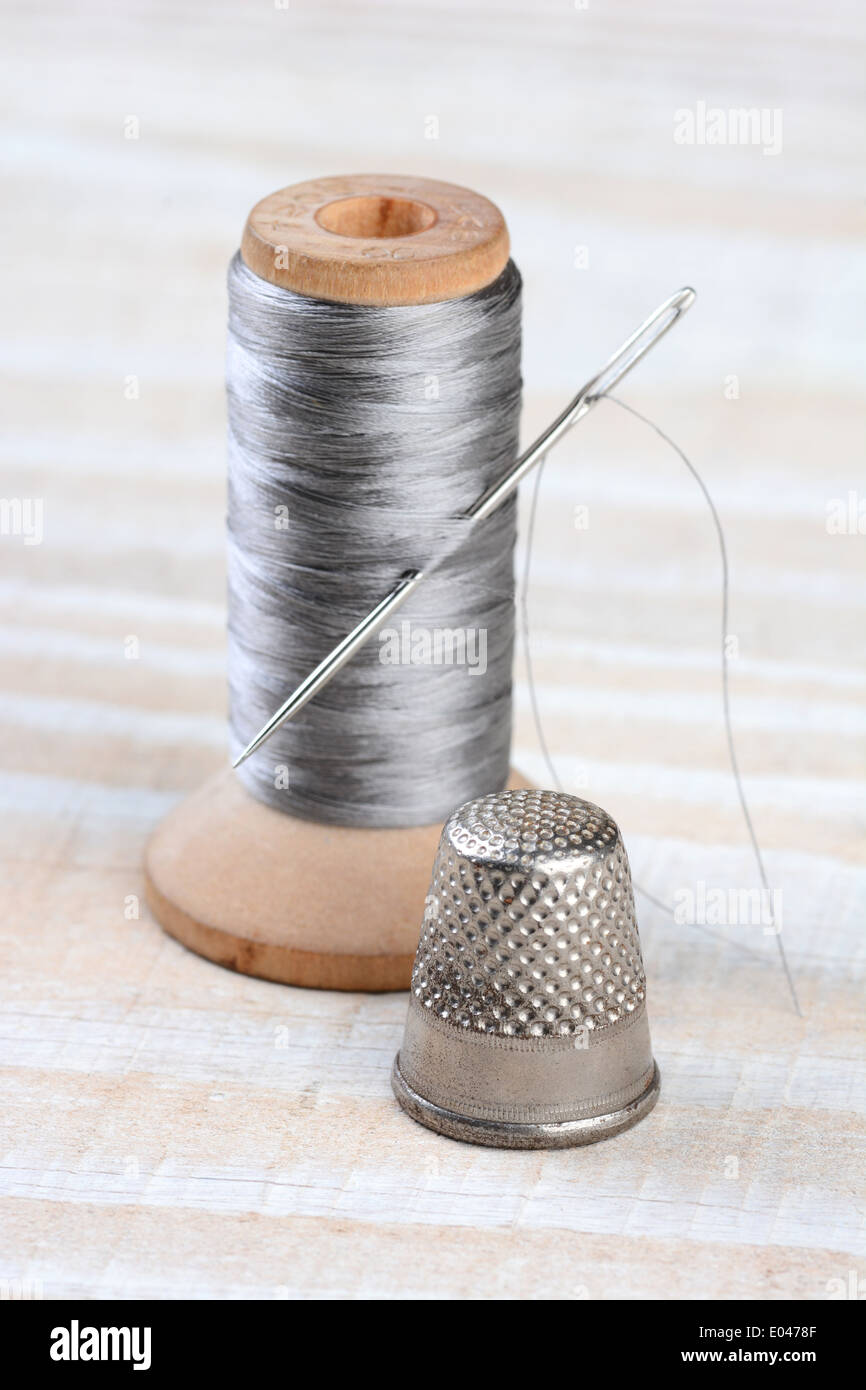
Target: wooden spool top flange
(376,239)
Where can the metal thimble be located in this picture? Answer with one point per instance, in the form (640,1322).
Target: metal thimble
(527,1024)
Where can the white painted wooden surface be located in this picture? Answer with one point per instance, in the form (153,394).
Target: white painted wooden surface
(170,1129)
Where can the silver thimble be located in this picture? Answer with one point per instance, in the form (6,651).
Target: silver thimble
(527,1024)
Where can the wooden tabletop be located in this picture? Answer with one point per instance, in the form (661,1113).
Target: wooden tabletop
(170,1129)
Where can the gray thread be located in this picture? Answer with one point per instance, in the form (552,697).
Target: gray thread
(329,417)
(726,705)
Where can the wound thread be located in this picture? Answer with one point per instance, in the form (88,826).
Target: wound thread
(357,438)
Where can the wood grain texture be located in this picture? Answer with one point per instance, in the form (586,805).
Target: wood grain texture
(376,239)
(174,1129)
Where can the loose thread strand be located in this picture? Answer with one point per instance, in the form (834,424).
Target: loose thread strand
(729,731)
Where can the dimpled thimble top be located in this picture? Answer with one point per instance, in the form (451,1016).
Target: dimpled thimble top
(529,929)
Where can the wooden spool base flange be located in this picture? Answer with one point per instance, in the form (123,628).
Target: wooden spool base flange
(326,906)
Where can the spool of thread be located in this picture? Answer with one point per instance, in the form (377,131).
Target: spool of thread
(346,295)
(358,437)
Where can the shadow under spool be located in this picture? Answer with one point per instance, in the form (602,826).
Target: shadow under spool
(246,885)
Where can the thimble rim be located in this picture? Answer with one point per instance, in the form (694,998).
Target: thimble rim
(508,1134)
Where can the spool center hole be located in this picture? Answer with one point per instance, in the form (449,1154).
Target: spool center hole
(374,215)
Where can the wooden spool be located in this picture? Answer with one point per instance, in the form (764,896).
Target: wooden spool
(252,888)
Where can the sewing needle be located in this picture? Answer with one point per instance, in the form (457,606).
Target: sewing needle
(627,356)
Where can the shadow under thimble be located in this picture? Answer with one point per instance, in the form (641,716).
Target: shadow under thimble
(527,1026)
